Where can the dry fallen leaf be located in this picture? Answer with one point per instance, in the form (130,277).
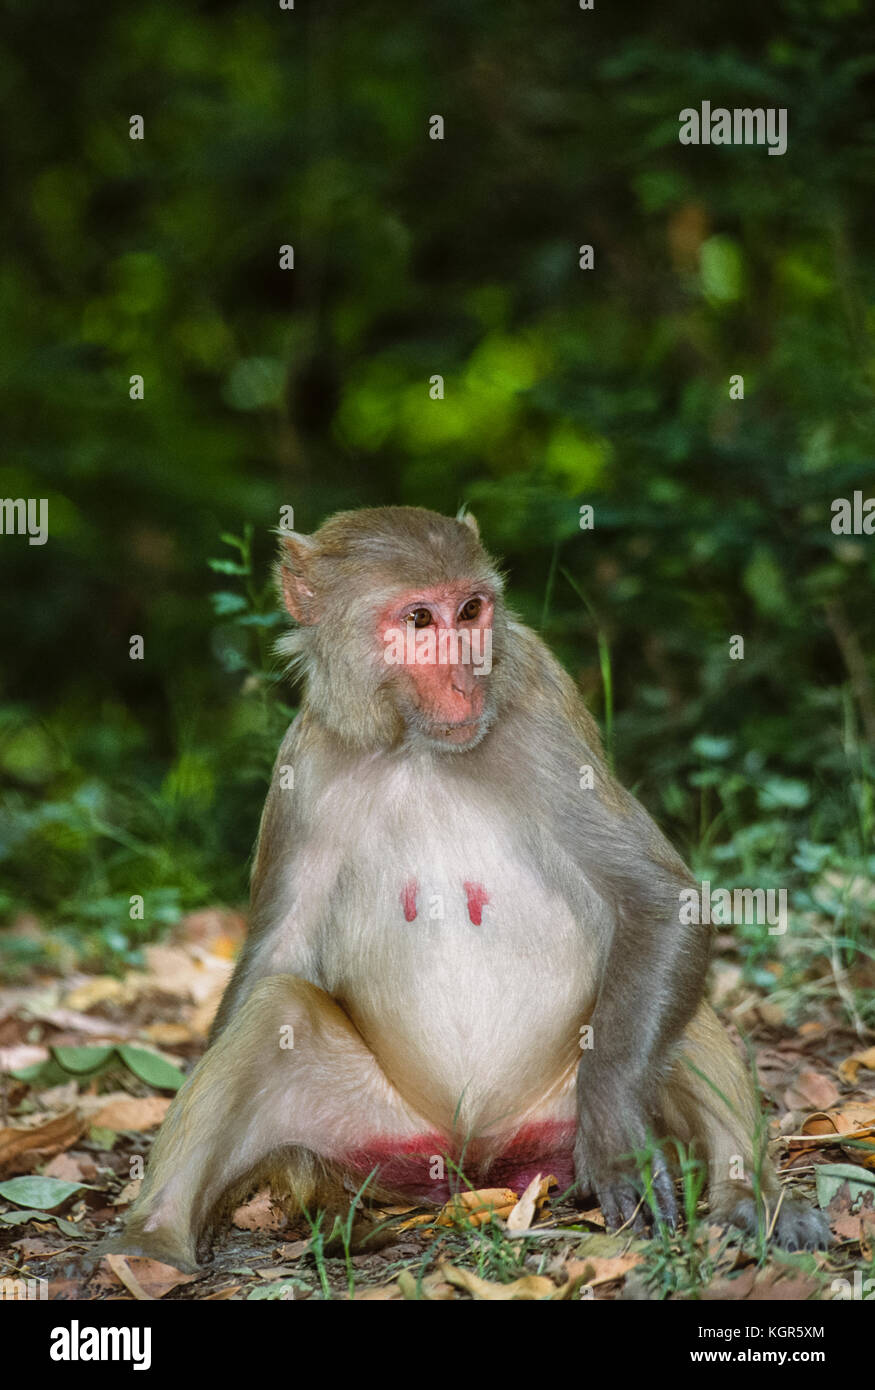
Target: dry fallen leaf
(71,1168)
(174,972)
(772,1283)
(595,1217)
(220,929)
(55,1100)
(37,1247)
(854,1120)
(75,1021)
(476,1208)
(849,1068)
(259,1214)
(604,1269)
(168,1034)
(26,1145)
(413,1222)
(146,1279)
(384,1293)
(773,1064)
(133,1113)
(432,1289)
(292,1250)
(531,1287)
(812,1090)
(531,1203)
(103,989)
(854,1115)
(771,1013)
(119,1266)
(853,1225)
(22,1055)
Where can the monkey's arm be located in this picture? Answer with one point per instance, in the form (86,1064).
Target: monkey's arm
(652,977)
(651,967)
(287,893)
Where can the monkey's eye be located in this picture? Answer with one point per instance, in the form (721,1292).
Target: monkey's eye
(470,610)
(420,617)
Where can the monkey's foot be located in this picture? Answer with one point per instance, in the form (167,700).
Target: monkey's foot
(164,1245)
(798,1227)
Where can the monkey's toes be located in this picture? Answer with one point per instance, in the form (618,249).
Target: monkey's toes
(798,1227)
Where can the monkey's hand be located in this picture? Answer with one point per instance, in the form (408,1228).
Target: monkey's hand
(612,1129)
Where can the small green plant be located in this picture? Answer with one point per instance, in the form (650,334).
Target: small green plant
(496,1255)
(678,1262)
(317,1248)
(760,1139)
(249,613)
(341,1233)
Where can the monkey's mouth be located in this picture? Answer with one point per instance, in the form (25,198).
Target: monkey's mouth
(462,730)
(461,735)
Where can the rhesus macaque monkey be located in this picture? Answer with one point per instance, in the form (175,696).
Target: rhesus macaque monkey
(440,902)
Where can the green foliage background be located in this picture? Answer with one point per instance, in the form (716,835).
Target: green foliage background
(309,387)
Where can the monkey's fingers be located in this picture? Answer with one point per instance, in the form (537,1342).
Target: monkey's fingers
(622,1207)
(664,1202)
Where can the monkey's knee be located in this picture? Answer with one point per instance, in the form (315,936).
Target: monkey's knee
(278,995)
(282,1092)
(210,1134)
(285,1010)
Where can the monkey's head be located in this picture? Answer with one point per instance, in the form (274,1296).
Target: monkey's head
(401,627)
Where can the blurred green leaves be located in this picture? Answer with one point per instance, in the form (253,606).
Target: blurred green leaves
(310,387)
(722,271)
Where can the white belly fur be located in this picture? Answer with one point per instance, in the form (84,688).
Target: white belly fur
(474,1024)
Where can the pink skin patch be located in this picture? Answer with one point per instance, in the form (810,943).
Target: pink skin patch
(406,1164)
(447,691)
(545,1148)
(477,900)
(408,899)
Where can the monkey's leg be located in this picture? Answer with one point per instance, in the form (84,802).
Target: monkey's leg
(710,1103)
(289,1070)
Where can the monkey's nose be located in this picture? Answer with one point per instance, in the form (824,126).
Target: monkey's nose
(462,681)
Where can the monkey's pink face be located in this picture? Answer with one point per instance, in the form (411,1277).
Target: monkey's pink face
(439,641)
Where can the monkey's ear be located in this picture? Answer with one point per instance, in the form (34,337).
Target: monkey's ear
(294,575)
(469,519)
